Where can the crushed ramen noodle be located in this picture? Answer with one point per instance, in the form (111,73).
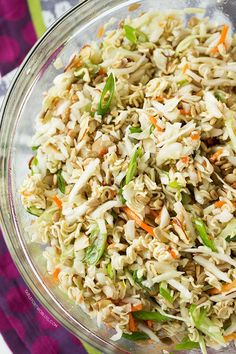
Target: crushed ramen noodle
(133,180)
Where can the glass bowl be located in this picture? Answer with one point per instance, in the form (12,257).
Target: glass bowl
(76,28)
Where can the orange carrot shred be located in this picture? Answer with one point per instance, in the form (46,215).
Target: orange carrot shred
(215,156)
(224,288)
(185,68)
(172,253)
(132,324)
(137,307)
(57,201)
(154,122)
(149,323)
(101,31)
(222,39)
(101,71)
(160,98)
(154,213)
(219,204)
(103,152)
(230,337)
(185,159)
(195,135)
(183,112)
(138,221)
(56,273)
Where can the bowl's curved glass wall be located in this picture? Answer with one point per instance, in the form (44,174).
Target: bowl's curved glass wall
(78,27)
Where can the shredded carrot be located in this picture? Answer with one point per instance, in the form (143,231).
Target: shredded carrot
(149,323)
(215,156)
(154,122)
(154,213)
(101,31)
(102,152)
(138,221)
(172,253)
(57,201)
(160,98)
(137,307)
(195,135)
(185,68)
(230,337)
(224,288)
(132,323)
(222,39)
(101,71)
(56,273)
(219,204)
(183,112)
(185,159)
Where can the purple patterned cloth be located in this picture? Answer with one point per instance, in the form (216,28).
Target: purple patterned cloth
(17,34)
(25,325)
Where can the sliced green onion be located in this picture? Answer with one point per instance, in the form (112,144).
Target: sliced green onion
(205,325)
(132,169)
(186,344)
(174,184)
(149,315)
(182,83)
(152,128)
(231,239)
(165,292)
(151,291)
(135,130)
(96,250)
(61,182)
(35,161)
(110,271)
(134,35)
(35,211)
(219,95)
(35,148)
(202,232)
(120,193)
(186,199)
(104,103)
(136,336)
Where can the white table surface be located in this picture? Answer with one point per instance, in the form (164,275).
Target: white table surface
(3,347)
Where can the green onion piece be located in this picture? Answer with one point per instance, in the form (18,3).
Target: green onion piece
(186,199)
(201,229)
(135,130)
(174,184)
(136,336)
(231,239)
(96,250)
(35,161)
(165,292)
(104,103)
(110,271)
(148,315)
(187,344)
(152,128)
(182,83)
(132,169)
(120,193)
(205,325)
(219,95)
(35,211)
(151,291)
(134,35)
(35,148)
(61,182)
